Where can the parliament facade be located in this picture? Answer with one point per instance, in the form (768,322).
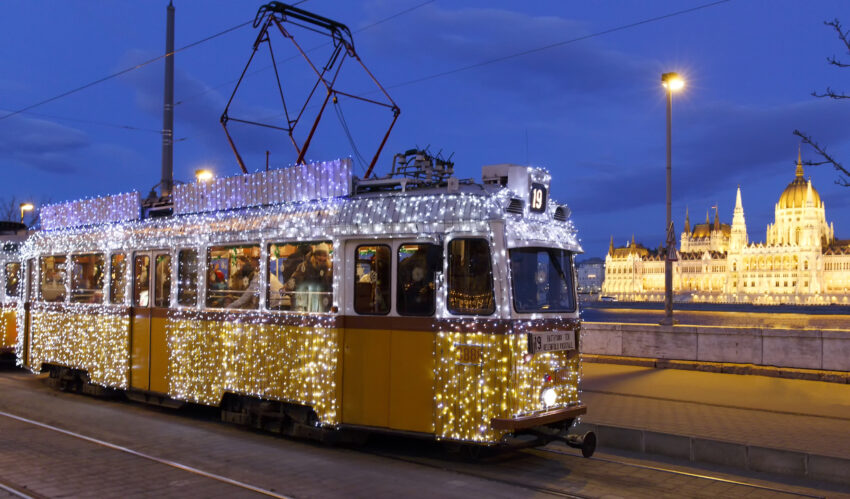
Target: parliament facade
(800,261)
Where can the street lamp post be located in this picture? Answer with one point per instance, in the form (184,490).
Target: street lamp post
(24,208)
(671,82)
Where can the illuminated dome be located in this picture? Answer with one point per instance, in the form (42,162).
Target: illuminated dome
(794,196)
(702,230)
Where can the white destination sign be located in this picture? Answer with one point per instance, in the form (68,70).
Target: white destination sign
(552,341)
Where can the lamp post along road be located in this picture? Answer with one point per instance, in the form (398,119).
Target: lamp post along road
(24,208)
(671,82)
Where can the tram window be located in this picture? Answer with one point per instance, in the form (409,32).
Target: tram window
(542,280)
(300,276)
(162,296)
(118,279)
(372,280)
(87,278)
(13,279)
(187,277)
(470,278)
(53,278)
(415,287)
(141,281)
(233,278)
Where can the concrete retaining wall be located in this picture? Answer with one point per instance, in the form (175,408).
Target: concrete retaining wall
(806,349)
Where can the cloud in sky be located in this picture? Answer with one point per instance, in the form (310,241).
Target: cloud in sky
(41,144)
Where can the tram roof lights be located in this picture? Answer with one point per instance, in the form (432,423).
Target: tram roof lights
(672,81)
(203,175)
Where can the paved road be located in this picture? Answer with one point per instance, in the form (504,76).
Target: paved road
(144,451)
(716,318)
(790,414)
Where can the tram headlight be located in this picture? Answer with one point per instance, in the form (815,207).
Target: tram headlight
(549,396)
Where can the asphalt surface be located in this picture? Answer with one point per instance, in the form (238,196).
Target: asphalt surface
(67,445)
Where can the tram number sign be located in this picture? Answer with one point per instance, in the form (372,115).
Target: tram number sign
(552,341)
(469,355)
(538,193)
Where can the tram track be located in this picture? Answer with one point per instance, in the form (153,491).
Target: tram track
(18,491)
(491,474)
(483,476)
(686,474)
(109,445)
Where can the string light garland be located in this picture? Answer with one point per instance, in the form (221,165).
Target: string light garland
(481,371)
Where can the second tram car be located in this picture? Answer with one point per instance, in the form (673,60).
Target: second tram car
(307,301)
(12,235)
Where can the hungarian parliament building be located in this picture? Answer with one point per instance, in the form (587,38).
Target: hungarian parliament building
(801,261)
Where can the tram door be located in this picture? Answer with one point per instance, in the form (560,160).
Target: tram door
(151,299)
(28,295)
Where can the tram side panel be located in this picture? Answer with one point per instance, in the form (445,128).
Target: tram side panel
(75,337)
(291,359)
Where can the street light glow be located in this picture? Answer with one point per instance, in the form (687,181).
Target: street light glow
(672,81)
(25,207)
(203,175)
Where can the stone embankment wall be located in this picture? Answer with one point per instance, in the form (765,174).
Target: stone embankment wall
(806,349)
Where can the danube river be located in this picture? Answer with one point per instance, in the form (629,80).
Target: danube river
(756,318)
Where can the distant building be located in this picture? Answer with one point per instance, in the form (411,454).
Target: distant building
(800,261)
(591,274)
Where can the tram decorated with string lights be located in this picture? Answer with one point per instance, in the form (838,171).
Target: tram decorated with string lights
(307,301)
(12,235)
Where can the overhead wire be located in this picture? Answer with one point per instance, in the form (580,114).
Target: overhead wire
(122,72)
(556,44)
(397,85)
(90,122)
(129,69)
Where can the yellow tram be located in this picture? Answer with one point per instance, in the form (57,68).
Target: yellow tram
(306,301)
(11,236)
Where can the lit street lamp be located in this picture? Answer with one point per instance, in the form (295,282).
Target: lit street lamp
(672,82)
(203,175)
(25,207)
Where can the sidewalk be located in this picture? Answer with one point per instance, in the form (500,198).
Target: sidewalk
(788,426)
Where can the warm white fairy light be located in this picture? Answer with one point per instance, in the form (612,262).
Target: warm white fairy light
(296,357)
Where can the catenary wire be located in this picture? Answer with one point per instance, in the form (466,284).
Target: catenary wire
(127,70)
(556,44)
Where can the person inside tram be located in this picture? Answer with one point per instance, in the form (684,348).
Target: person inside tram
(247,278)
(294,260)
(416,296)
(418,292)
(216,287)
(312,280)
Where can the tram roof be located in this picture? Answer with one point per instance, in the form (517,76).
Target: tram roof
(468,207)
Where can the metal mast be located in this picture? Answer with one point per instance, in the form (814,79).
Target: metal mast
(167,181)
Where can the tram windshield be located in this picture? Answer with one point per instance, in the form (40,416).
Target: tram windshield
(542,280)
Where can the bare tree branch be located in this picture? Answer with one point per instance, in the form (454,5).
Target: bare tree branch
(843,173)
(844,36)
(832,94)
(835,62)
(9,209)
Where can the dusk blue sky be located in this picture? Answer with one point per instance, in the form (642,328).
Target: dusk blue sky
(593,111)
